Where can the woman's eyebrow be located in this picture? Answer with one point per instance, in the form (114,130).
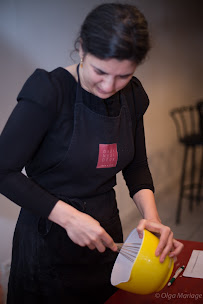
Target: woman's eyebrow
(99,70)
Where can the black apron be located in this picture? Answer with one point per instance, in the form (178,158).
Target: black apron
(45,261)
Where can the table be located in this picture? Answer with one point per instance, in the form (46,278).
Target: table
(184,290)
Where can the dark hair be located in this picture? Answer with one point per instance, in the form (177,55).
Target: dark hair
(115,30)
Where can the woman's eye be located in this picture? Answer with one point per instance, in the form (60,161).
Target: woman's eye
(124,76)
(99,72)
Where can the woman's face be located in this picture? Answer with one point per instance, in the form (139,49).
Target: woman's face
(105,77)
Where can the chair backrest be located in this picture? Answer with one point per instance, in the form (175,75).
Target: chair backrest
(187,121)
(200,112)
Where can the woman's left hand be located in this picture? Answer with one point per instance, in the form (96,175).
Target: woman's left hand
(167,244)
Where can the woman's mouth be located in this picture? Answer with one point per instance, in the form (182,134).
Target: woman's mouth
(103,92)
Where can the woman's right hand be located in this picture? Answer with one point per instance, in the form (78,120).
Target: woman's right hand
(82,229)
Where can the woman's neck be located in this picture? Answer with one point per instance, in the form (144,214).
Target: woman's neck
(72,69)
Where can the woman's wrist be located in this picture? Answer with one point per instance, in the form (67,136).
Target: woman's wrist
(62,214)
(145,202)
(154,218)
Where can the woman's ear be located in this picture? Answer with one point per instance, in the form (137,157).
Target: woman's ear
(81,52)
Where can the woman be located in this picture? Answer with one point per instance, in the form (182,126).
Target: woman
(74,129)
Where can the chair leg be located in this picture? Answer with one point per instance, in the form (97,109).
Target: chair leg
(178,213)
(192,177)
(200,182)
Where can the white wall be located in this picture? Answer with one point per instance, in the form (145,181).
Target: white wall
(41,33)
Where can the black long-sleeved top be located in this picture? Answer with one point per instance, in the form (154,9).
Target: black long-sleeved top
(38,133)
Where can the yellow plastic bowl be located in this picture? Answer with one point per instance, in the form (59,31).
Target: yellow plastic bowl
(145,274)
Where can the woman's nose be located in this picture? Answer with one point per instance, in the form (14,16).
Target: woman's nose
(108,85)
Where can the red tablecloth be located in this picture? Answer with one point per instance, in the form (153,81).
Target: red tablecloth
(184,290)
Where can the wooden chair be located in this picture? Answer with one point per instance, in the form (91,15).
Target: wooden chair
(189,126)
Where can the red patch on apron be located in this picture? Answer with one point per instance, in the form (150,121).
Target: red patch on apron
(108,156)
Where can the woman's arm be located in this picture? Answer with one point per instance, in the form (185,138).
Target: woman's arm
(20,138)
(144,199)
(140,184)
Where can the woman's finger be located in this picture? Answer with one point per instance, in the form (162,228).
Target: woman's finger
(167,248)
(100,246)
(91,246)
(101,240)
(108,241)
(166,238)
(178,246)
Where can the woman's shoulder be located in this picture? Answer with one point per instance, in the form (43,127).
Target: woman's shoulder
(45,87)
(137,94)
